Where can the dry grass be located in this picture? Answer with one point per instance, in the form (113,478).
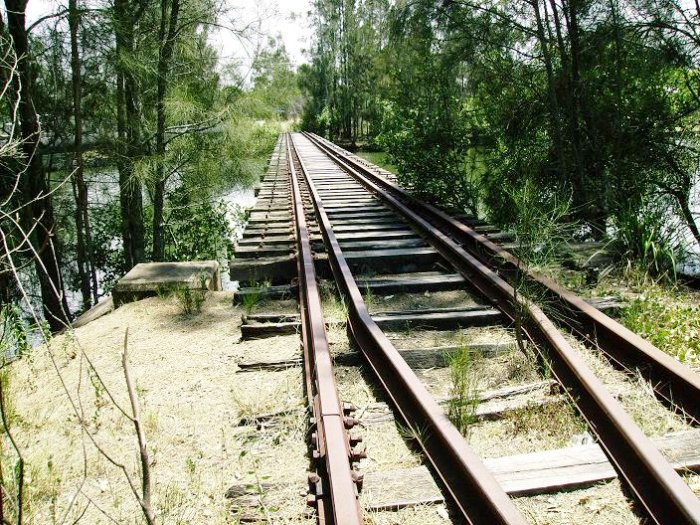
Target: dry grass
(497,371)
(418,515)
(634,393)
(603,504)
(191,401)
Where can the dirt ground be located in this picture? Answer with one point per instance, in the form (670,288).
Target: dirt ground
(191,401)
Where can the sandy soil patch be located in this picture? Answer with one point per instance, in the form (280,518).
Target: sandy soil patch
(191,400)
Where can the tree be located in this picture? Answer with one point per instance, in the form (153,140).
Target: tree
(86,269)
(166,38)
(127,14)
(37,212)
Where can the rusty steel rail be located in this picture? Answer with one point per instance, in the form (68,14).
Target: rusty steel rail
(675,383)
(334,486)
(662,492)
(473,488)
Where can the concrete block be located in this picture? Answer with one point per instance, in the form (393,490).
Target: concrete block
(147,279)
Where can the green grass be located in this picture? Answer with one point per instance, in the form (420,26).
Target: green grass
(464,399)
(379,158)
(669,320)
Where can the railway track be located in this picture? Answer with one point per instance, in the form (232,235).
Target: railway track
(329,218)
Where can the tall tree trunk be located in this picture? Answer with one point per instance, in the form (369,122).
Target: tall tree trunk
(86,269)
(167,43)
(554,110)
(128,129)
(593,189)
(35,186)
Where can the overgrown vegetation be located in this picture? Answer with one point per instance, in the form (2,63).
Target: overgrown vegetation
(670,323)
(190,300)
(131,137)
(596,101)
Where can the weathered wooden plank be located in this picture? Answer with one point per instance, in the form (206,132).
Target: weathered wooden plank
(364,215)
(287,239)
(373,235)
(264,330)
(399,259)
(278,270)
(255,252)
(525,474)
(448,320)
(410,284)
(419,359)
(368,227)
(606,304)
(379,244)
(269,318)
(256,293)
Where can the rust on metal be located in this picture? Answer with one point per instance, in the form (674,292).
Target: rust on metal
(335,493)
(662,492)
(474,490)
(676,383)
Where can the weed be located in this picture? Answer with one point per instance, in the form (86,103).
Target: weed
(420,434)
(370,299)
(190,300)
(250,300)
(191,466)
(464,399)
(557,421)
(540,231)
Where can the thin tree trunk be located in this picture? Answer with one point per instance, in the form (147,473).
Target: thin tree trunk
(167,44)
(591,170)
(555,112)
(86,270)
(35,186)
(688,217)
(128,129)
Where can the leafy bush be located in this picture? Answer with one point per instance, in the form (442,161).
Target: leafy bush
(13,333)
(197,230)
(431,157)
(650,240)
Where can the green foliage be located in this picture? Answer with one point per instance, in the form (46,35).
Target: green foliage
(538,222)
(464,393)
(275,94)
(670,323)
(648,239)
(13,333)
(472,100)
(197,230)
(106,228)
(251,300)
